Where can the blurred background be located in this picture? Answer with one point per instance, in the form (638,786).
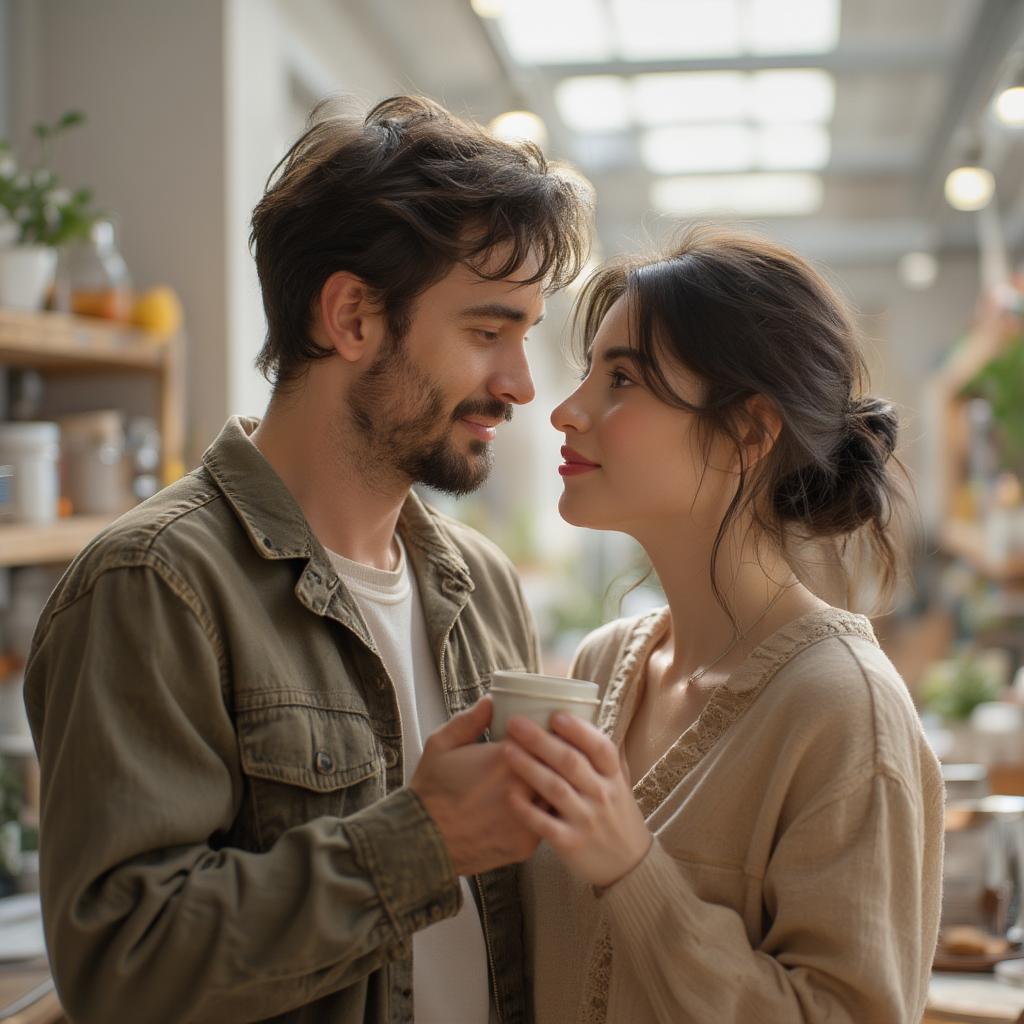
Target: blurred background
(884,141)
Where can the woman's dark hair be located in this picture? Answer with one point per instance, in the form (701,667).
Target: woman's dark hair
(397,198)
(750,318)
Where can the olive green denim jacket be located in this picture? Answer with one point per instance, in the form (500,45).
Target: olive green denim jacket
(225,834)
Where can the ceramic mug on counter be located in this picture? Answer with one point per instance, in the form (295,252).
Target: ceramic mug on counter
(537,697)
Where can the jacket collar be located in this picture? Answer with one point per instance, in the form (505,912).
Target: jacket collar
(277,528)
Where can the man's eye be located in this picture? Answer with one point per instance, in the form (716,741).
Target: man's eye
(487,335)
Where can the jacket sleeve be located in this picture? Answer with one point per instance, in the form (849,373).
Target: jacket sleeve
(145,905)
(849,892)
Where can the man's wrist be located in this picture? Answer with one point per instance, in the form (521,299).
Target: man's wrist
(404,853)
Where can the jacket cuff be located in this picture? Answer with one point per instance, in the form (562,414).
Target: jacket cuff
(405,857)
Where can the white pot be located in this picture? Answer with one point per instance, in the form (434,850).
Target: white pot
(26,273)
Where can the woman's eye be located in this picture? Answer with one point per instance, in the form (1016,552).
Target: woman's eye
(618,379)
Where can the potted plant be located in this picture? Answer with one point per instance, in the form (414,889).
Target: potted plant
(37,215)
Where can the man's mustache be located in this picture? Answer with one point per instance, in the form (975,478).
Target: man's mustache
(492,410)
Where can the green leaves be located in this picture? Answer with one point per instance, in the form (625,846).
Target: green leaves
(1001,382)
(34,208)
(954,688)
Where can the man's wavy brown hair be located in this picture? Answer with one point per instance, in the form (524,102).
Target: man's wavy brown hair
(398,197)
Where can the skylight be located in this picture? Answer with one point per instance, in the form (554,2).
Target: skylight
(567,31)
(735,147)
(594,103)
(744,195)
(686,97)
(543,31)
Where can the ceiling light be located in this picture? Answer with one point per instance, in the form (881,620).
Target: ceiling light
(969,188)
(488,8)
(593,103)
(792,94)
(720,147)
(539,31)
(689,96)
(796,26)
(1010,106)
(745,195)
(520,126)
(792,147)
(918,270)
(660,29)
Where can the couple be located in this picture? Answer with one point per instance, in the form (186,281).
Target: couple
(258,697)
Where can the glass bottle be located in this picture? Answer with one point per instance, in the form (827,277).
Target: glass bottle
(92,278)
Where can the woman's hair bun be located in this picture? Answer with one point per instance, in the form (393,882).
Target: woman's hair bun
(877,417)
(853,487)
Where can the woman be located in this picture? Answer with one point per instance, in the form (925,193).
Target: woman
(754,831)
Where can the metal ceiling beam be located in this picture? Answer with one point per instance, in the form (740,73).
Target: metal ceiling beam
(997,31)
(848,58)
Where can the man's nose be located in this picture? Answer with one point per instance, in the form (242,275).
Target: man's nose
(513,383)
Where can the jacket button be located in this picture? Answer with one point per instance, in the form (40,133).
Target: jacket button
(324,762)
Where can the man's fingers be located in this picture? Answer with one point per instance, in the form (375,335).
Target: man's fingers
(463,728)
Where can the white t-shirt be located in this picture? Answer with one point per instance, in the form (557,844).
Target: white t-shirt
(450,980)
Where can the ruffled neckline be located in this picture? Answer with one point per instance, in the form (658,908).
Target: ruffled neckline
(727,702)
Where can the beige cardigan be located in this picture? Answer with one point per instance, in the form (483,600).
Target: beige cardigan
(796,870)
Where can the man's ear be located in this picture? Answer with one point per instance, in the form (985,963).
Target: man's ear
(349,322)
(761,426)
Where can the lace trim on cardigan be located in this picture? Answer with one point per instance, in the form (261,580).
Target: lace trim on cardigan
(731,699)
(594,1008)
(726,704)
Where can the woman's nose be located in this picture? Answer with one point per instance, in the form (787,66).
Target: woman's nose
(570,415)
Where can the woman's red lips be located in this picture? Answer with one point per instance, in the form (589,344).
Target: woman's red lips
(575,463)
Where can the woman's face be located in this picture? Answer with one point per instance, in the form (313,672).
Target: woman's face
(631,462)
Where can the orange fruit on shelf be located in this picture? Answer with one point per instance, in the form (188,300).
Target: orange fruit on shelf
(158,310)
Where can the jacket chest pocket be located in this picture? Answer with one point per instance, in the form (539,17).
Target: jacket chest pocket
(305,762)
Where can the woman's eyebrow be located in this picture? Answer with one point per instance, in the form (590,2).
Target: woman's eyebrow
(622,352)
(499,311)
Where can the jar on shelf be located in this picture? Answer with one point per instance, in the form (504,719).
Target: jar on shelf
(31,450)
(92,278)
(144,445)
(92,462)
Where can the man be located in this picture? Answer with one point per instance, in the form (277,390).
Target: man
(230,688)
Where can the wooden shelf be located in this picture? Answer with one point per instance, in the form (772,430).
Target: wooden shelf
(57,341)
(29,544)
(964,539)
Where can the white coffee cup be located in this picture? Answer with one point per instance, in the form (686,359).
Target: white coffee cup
(537,697)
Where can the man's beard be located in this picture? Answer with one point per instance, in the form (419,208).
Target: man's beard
(400,412)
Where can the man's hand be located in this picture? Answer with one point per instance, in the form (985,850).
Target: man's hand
(469,790)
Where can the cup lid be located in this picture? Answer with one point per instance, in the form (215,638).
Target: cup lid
(537,685)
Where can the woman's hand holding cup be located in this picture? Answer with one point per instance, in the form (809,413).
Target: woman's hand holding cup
(591,821)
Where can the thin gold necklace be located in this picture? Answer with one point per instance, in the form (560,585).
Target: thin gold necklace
(738,636)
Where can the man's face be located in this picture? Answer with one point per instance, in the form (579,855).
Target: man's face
(429,406)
